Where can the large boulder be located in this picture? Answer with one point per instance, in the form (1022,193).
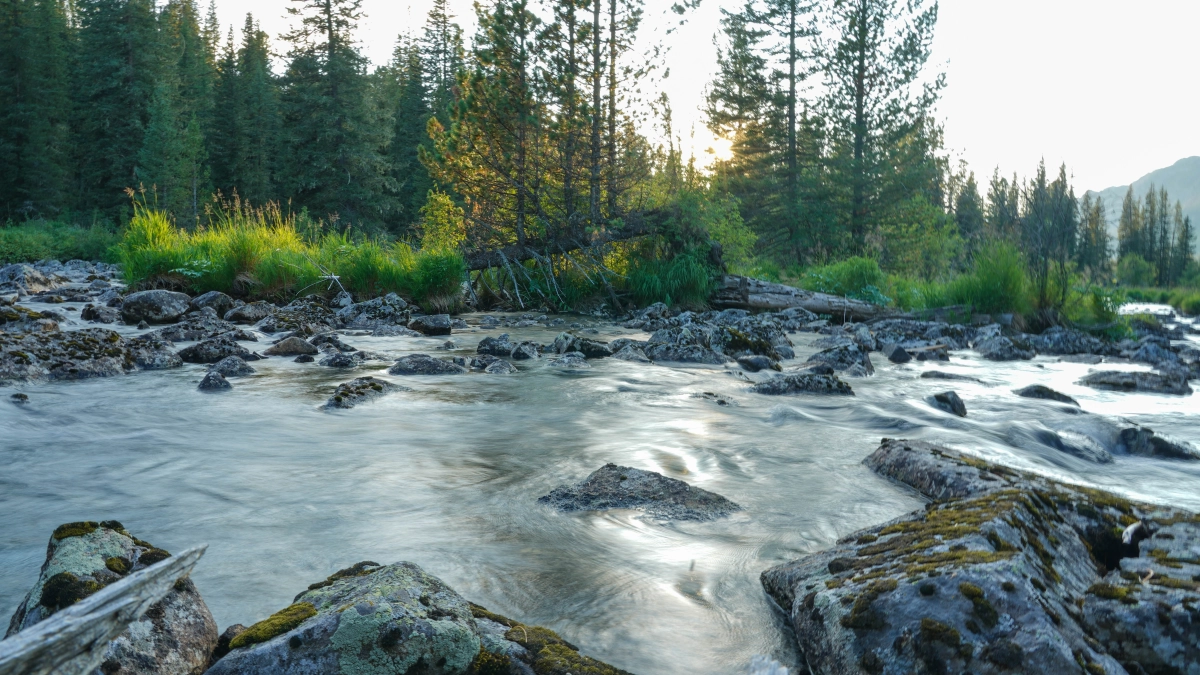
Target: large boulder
(292,346)
(78,355)
(424,364)
(99,314)
(232,366)
(852,359)
(591,349)
(1134,381)
(1002,348)
(250,313)
(950,402)
(622,487)
(154,307)
(214,381)
(177,634)
(305,316)
(1067,342)
(496,346)
(1004,572)
(371,619)
(212,351)
(202,325)
(437,324)
(388,311)
(26,279)
(215,300)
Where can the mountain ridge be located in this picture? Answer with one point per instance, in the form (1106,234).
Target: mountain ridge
(1181,179)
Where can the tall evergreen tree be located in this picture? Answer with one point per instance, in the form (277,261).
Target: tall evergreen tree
(1129,226)
(335,129)
(405,90)
(258,123)
(968,213)
(1093,254)
(441,55)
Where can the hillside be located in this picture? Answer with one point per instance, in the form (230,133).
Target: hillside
(1181,179)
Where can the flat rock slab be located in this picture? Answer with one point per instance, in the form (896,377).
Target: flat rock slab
(1129,381)
(622,487)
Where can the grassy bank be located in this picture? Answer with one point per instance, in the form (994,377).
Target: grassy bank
(41,239)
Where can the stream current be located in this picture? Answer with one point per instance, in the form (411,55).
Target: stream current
(448,475)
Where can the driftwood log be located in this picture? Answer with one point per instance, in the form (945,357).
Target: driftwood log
(73,641)
(737,292)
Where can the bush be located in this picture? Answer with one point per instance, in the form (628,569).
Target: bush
(858,278)
(684,280)
(997,282)
(1133,270)
(40,240)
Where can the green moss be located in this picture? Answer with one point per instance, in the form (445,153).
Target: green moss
(558,659)
(277,624)
(1111,592)
(1169,582)
(361,569)
(1095,669)
(481,613)
(118,565)
(74,530)
(487,663)
(982,608)
(535,638)
(936,631)
(862,616)
(65,589)
(152,556)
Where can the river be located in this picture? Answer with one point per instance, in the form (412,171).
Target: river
(448,475)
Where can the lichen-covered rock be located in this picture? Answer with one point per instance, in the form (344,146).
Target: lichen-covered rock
(526,351)
(77,355)
(591,349)
(99,314)
(292,346)
(569,361)
(424,364)
(896,354)
(685,354)
(364,389)
(803,383)
(154,307)
(1068,341)
(215,300)
(950,402)
(379,313)
(199,326)
(1046,393)
(754,364)
(305,316)
(1002,348)
(622,487)
(232,366)
(250,313)
(1006,572)
(631,353)
(331,340)
(370,619)
(851,358)
(437,324)
(496,346)
(214,381)
(212,351)
(1131,381)
(175,637)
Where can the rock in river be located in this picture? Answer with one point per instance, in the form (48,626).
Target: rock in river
(950,402)
(1046,393)
(78,355)
(370,619)
(1131,381)
(218,301)
(851,358)
(1001,348)
(212,351)
(250,313)
(214,381)
(496,346)
(154,307)
(424,364)
(803,383)
(622,487)
(292,346)
(232,366)
(364,389)
(569,361)
(753,364)
(1006,572)
(175,637)
(438,324)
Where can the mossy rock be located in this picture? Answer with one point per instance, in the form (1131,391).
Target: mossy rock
(277,624)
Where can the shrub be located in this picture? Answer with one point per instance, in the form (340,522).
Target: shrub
(40,240)
(858,278)
(686,280)
(1133,270)
(997,282)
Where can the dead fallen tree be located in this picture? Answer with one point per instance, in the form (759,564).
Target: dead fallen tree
(737,292)
(636,225)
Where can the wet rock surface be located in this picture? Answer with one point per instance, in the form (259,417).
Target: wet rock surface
(219,302)
(438,324)
(78,355)
(1005,572)
(154,307)
(292,346)
(214,381)
(1045,393)
(250,313)
(212,351)
(622,487)
(175,637)
(1155,383)
(359,391)
(803,383)
(424,364)
(950,402)
(378,314)
(232,366)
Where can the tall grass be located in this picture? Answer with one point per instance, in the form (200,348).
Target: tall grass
(685,280)
(261,253)
(42,239)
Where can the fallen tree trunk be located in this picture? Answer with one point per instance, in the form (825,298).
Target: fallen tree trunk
(636,225)
(737,292)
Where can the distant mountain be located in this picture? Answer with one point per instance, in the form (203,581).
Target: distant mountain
(1181,179)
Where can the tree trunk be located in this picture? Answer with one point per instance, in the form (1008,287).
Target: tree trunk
(597,109)
(745,293)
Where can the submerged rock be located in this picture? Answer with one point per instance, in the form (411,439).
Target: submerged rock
(364,389)
(1046,393)
(438,324)
(569,361)
(424,364)
(212,351)
(940,375)
(176,636)
(1130,381)
(214,381)
(622,487)
(371,619)
(232,366)
(950,402)
(154,307)
(754,364)
(803,383)
(1006,572)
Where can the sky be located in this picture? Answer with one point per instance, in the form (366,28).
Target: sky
(1108,87)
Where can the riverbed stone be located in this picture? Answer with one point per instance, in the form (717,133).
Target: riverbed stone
(250,313)
(591,349)
(631,353)
(376,314)
(1137,381)
(176,635)
(232,366)
(215,300)
(851,358)
(199,326)
(1046,393)
(1003,348)
(214,381)
(212,351)
(950,402)
(292,346)
(995,576)
(156,306)
(437,324)
(361,390)
(78,355)
(99,314)
(754,364)
(622,487)
(424,364)
(803,383)
(501,345)
(301,317)
(896,354)
(26,279)
(569,361)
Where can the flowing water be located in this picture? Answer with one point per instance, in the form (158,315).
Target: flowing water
(448,475)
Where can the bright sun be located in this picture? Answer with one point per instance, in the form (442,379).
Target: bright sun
(722,149)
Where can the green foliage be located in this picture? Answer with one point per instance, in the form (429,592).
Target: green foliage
(442,224)
(857,277)
(1133,270)
(685,280)
(920,238)
(997,283)
(40,239)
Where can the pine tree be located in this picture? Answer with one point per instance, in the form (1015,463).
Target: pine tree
(1092,254)
(1129,227)
(117,70)
(968,213)
(35,158)
(441,57)
(565,44)
(876,107)
(1184,246)
(222,137)
(172,157)
(405,91)
(336,131)
(258,123)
